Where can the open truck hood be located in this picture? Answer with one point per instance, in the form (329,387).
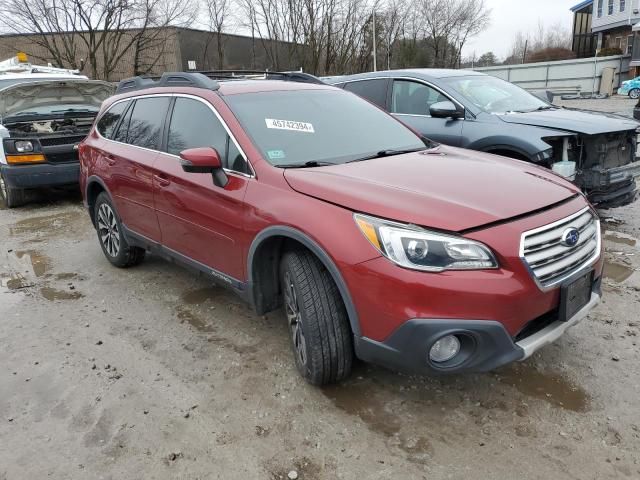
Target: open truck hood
(446,188)
(24,97)
(578,121)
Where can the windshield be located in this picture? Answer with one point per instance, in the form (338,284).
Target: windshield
(494,95)
(325,126)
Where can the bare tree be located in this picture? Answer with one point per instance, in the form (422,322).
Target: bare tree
(102,32)
(219,16)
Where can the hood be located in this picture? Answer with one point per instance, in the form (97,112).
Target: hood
(578,121)
(446,188)
(24,97)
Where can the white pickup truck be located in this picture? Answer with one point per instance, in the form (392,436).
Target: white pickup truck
(44,113)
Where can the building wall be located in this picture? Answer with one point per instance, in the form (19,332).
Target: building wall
(168,49)
(605,21)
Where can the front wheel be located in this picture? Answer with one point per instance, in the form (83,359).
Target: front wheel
(112,240)
(13,197)
(317,319)
(634,93)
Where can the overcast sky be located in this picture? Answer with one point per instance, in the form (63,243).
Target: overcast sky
(510,16)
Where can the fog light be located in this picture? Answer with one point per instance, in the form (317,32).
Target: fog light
(445,349)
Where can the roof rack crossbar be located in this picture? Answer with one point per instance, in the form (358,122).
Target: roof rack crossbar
(266,74)
(168,79)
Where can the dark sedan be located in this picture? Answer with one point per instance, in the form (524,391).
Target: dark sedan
(473,110)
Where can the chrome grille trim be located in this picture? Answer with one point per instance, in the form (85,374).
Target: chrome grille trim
(549,261)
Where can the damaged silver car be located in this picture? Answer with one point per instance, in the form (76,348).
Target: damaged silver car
(468,109)
(43,117)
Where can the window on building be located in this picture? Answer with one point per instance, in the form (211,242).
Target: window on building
(145,125)
(610,9)
(623,5)
(629,44)
(600,8)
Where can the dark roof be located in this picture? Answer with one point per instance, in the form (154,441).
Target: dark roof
(581,5)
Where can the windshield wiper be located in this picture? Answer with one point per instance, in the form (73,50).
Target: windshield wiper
(387,153)
(309,164)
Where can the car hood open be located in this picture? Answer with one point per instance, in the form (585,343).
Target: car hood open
(578,121)
(446,188)
(24,97)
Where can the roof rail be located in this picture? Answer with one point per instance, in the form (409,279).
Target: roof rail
(261,74)
(168,79)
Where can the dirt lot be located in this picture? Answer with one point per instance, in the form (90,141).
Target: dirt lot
(616,104)
(153,373)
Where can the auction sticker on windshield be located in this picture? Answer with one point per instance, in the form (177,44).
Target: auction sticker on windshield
(289,125)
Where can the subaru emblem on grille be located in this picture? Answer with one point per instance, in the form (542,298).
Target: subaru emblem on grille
(570,237)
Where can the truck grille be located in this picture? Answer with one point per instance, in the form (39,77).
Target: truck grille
(550,259)
(67,140)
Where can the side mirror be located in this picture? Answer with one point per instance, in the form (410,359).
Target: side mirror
(445,110)
(204,160)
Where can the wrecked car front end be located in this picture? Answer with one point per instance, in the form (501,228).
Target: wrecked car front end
(42,124)
(604,164)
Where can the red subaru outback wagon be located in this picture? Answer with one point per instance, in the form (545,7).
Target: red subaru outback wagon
(377,243)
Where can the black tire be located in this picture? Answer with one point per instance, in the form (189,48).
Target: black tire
(13,197)
(634,93)
(318,323)
(112,241)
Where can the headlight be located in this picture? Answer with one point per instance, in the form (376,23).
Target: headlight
(413,247)
(24,146)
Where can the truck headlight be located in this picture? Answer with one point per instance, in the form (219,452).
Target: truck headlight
(413,247)
(23,146)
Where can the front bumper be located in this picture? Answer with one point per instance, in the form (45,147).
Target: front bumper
(490,344)
(41,175)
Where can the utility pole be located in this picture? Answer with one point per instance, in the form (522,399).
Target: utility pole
(375,53)
(526,45)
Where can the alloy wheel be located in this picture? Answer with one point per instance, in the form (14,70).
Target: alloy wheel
(108,230)
(294,319)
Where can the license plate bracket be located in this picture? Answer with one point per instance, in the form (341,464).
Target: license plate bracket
(575,295)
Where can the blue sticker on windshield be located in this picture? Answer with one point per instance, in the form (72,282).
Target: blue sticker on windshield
(276,154)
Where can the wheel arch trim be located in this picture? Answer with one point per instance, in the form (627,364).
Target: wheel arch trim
(316,249)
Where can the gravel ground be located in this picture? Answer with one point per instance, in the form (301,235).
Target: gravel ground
(154,373)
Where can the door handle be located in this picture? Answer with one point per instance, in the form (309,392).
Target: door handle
(111,160)
(162,180)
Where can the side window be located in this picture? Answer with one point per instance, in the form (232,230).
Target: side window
(110,119)
(413,98)
(145,125)
(121,134)
(193,124)
(373,90)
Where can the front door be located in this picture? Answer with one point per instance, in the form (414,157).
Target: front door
(198,219)
(410,103)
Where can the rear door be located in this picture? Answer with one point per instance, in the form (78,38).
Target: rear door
(410,103)
(198,219)
(130,164)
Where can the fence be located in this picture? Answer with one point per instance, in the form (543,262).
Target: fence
(580,74)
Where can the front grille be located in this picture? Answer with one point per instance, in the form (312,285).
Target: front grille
(62,157)
(549,259)
(67,140)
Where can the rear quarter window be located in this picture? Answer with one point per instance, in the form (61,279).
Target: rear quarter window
(109,120)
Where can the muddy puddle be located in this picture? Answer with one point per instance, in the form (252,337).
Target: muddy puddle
(201,295)
(617,272)
(196,321)
(53,294)
(36,262)
(364,400)
(551,387)
(48,226)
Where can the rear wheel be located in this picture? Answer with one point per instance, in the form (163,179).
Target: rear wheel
(634,93)
(317,319)
(114,244)
(13,197)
